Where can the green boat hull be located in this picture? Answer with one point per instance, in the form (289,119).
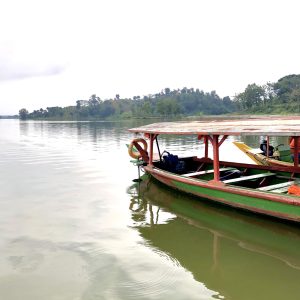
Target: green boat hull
(280,206)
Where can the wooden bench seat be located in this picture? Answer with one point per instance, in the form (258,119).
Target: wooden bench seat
(281,190)
(279,186)
(194,174)
(251,177)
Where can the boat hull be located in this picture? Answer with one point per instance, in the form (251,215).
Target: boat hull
(286,207)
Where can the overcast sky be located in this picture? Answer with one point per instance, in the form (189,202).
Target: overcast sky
(53,53)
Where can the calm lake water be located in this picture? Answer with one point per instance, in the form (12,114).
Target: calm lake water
(75,226)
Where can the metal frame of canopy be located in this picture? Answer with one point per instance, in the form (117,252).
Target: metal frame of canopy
(210,131)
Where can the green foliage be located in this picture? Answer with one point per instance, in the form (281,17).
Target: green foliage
(281,97)
(286,85)
(253,96)
(126,115)
(168,107)
(23,114)
(168,103)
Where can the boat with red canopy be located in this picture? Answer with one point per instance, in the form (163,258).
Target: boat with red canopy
(269,190)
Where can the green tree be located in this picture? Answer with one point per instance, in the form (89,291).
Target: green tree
(23,114)
(253,95)
(146,108)
(167,91)
(168,106)
(94,100)
(285,87)
(188,101)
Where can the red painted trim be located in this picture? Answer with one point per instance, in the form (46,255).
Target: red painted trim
(191,132)
(261,167)
(252,166)
(209,138)
(223,139)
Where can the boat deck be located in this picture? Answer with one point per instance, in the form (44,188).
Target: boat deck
(243,176)
(277,188)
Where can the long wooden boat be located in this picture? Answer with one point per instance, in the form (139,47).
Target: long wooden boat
(259,158)
(256,188)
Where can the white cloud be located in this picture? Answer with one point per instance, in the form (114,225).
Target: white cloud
(21,61)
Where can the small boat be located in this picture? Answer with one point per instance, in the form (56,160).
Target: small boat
(270,190)
(280,157)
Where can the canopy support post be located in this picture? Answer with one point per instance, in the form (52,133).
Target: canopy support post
(152,138)
(215,143)
(296,151)
(158,147)
(205,142)
(206,146)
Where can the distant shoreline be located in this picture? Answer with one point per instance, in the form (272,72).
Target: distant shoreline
(166,118)
(9,117)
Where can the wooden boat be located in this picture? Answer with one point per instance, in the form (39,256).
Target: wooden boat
(281,156)
(256,188)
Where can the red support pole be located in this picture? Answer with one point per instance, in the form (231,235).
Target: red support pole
(152,137)
(215,143)
(206,147)
(296,151)
(223,139)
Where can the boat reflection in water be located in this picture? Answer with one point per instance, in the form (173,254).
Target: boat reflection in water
(238,255)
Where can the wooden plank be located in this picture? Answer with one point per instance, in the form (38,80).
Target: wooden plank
(251,177)
(255,151)
(276,186)
(281,190)
(206,172)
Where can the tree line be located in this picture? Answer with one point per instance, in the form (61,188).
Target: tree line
(167,103)
(280,97)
